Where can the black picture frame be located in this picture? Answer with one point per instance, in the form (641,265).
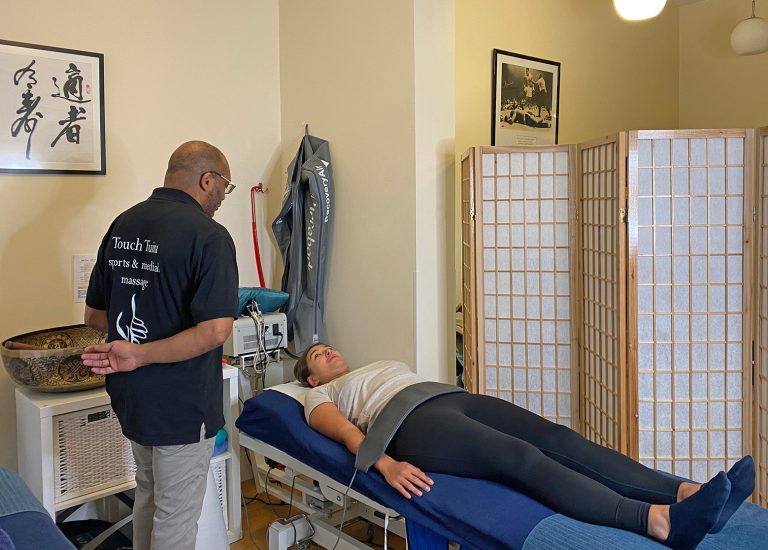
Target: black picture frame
(51,110)
(525,99)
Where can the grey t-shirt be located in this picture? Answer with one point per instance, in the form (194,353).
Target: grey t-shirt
(361,394)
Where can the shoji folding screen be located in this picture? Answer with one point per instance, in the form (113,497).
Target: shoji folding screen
(690,218)
(648,349)
(518,276)
(760,375)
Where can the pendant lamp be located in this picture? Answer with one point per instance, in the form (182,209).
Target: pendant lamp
(635,10)
(750,36)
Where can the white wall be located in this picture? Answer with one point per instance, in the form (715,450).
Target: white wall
(174,71)
(435,84)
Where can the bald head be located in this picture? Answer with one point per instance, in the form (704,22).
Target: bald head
(194,168)
(194,157)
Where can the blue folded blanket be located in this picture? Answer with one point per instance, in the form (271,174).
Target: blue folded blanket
(269,300)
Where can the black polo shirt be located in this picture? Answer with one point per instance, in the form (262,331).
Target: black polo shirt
(163,267)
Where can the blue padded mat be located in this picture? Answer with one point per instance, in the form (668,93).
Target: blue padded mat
(475,513)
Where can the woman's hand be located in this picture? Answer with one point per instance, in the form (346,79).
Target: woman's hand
(404,477)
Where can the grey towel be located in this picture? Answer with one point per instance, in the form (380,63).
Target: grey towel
(381,432)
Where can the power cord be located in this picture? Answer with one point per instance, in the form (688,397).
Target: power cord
(344,510)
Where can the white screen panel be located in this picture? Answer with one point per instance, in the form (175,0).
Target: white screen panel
(526,333)
(690,318)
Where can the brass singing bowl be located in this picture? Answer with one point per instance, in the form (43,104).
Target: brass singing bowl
(49,360)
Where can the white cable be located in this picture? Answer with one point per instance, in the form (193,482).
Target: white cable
(386,528)
(344,511)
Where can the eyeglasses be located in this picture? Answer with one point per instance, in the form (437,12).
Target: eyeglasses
(230,186)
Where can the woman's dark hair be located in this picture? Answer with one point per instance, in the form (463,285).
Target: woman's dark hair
(301,368)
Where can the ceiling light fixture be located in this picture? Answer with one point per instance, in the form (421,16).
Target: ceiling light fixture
(750,36)
(636,10)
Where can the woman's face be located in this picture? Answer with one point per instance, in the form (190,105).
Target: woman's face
(325,364)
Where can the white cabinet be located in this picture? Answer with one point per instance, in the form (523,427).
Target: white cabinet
(71,450)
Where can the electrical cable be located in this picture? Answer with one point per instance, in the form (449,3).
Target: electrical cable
(344,510)
(291,355)
(290,501)
(256,189)
(386,528)
(248,522)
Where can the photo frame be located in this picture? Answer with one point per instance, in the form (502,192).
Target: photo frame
(51,110)
(525,100)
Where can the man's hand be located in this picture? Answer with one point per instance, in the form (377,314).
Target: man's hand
(117,356)
(404,477)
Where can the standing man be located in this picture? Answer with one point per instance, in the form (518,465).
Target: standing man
(164,289)
(542,96)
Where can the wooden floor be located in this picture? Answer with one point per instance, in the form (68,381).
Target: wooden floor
(260,515)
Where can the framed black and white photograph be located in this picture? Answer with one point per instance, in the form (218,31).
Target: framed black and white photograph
(51,110)
(526,99)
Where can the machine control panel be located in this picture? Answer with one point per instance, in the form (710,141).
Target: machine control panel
(244,339)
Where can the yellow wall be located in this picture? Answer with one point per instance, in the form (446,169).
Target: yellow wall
(719,89)
(174,70)
(347,70)
(615,75)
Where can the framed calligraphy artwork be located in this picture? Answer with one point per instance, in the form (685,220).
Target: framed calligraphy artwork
(51,110)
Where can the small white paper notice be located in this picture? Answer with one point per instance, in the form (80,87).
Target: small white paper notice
(82,265)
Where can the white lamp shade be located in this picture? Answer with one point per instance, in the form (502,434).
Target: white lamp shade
(635,10)
(750,37)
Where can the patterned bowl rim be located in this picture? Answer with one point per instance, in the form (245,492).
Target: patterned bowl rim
(9,352)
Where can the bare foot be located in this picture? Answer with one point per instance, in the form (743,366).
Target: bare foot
(658,522)
(687,489)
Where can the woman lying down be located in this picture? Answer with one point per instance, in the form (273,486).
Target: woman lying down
(478,436)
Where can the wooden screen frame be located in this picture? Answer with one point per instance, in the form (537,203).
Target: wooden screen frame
(470,349)
(759,369)
(621,380)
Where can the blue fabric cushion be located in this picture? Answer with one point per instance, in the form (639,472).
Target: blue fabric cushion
(34,531)
(269,300)
(24,519)
(5,541)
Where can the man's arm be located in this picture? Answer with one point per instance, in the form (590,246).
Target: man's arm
(96,319)
(406,478)
(122,356)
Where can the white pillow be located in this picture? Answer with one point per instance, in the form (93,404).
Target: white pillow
(293,389)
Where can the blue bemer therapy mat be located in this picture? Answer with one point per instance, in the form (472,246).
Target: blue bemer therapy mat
(475,513)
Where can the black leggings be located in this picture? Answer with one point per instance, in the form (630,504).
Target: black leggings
(484,437)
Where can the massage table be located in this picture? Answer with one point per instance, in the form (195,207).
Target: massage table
(473,513)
